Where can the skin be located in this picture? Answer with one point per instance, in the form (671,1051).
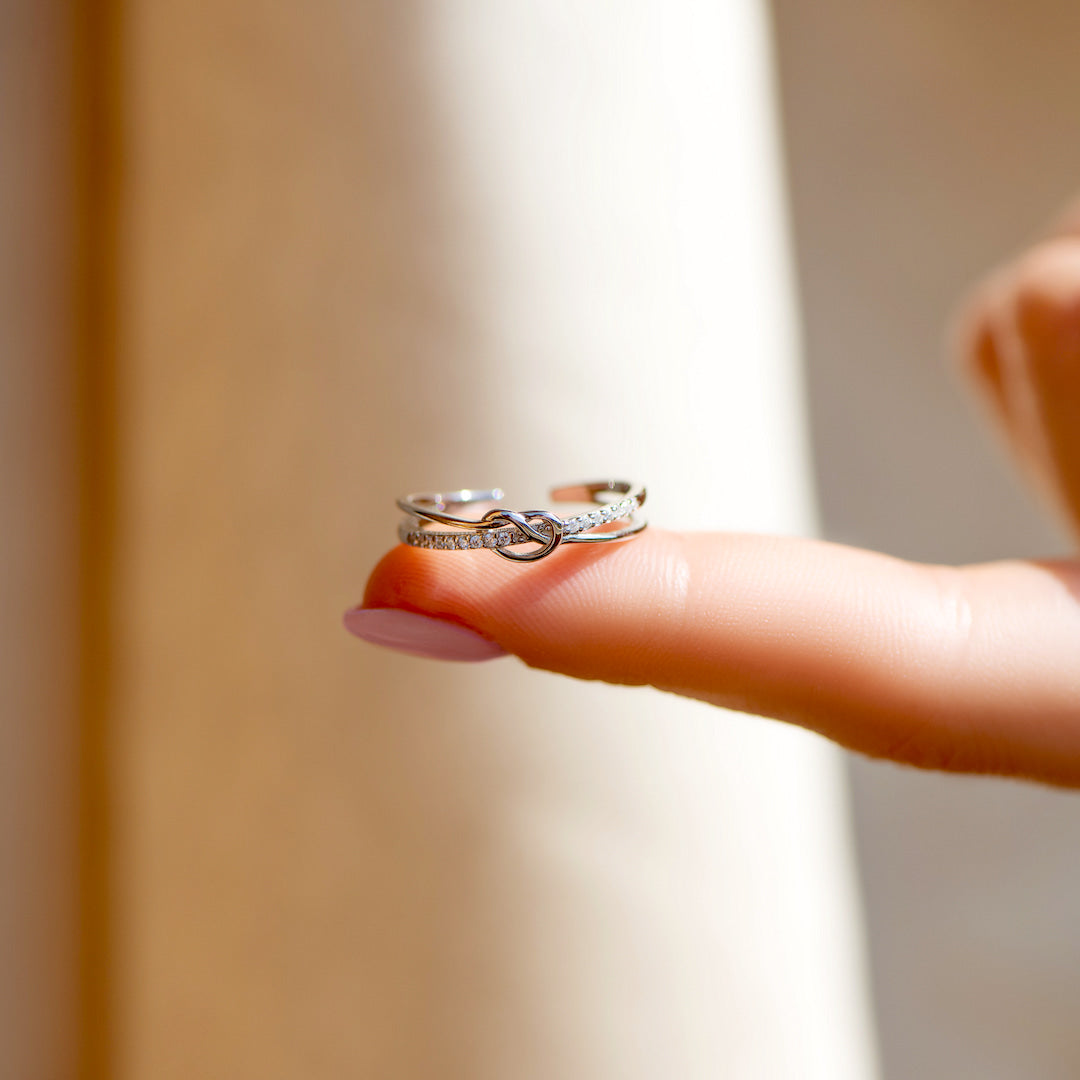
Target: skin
(967,669)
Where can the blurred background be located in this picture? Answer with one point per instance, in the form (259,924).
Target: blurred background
(926,142)
(224,848)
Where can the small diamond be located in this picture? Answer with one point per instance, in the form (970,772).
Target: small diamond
(462,541)
(490,539)
(476,540)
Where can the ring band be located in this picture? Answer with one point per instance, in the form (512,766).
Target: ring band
(500,529)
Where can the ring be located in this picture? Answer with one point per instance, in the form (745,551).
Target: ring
(500,529)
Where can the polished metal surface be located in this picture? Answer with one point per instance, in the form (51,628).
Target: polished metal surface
(500,529)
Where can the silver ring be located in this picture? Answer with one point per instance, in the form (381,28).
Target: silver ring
(500,529)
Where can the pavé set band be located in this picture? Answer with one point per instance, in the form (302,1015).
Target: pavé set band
(504,530)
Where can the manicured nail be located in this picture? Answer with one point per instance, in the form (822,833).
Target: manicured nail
(419,635)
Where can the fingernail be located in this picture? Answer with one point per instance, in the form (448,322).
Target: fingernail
(419,635)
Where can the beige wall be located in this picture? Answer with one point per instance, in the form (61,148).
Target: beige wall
(927,140)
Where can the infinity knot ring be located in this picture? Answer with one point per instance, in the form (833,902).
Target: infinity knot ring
(504,531)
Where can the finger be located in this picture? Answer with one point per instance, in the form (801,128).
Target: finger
(1041,346)
(971,669)
(993,363)
(1016,343)
(974,344)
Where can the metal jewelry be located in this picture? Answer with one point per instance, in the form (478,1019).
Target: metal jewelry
(505,531)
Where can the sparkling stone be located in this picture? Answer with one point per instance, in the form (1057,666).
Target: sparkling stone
(475,540)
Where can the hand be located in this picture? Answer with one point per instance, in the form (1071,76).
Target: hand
(971,669)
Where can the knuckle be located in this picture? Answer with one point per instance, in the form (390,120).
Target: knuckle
(919,748)
(933,746)
(939,733)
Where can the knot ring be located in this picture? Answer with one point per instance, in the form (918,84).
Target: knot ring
(504,530)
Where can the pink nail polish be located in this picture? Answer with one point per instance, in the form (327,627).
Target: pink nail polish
(419,635)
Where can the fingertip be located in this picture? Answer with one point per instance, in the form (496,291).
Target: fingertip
(1045,304)
(399,575)
(569,612)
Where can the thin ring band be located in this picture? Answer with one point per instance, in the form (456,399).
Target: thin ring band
(500,529)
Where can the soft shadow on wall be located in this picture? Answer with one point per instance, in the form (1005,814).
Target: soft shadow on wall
(925,142)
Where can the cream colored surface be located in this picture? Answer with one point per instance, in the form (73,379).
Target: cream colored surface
(373,247)
(39,549)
